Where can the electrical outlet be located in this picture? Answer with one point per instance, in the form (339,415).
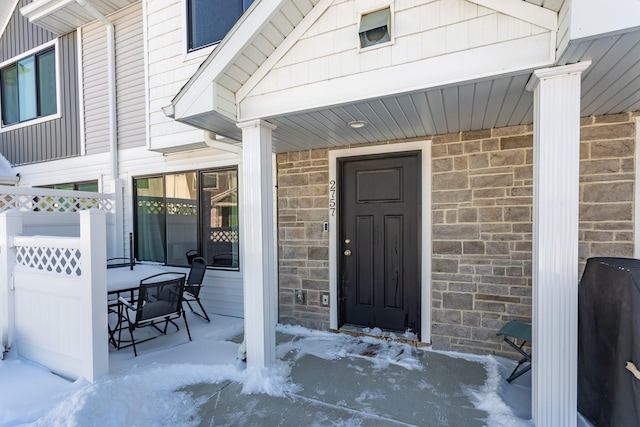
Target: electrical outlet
(324,299)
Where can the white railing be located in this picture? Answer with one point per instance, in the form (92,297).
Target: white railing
(32,199)
(51,212)
(56,301)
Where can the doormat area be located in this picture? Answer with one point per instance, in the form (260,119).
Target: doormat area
(406,338)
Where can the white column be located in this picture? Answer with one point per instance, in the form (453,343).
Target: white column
(93,253)
(556,173)
(258,260)
(117,242)
(10,225)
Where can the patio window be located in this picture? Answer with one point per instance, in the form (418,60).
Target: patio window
(189,211)
(91,186)
(29,88)
(208,21)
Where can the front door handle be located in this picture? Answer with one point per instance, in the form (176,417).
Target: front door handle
(347,253)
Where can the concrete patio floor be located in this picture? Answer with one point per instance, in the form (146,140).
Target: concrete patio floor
(363,383)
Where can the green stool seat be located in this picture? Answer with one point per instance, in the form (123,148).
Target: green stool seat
(515,330)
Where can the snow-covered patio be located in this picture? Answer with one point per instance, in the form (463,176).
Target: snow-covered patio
(320,378)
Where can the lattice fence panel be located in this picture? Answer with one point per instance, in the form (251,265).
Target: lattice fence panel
(224,235)
(54,260)
(182,208)
(39,203)
(151,207)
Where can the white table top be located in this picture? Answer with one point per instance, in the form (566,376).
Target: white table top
(121,278)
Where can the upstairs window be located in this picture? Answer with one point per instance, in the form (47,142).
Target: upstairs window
(208,21)
(29,88)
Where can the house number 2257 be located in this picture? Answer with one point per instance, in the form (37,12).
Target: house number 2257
(332,197)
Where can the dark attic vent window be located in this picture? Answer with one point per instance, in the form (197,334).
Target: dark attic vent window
(375,28)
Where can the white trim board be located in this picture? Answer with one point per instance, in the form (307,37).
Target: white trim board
(636,201)
(425,291)
(527,12)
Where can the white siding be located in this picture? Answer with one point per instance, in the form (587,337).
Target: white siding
(94,87)
(130,77)
(169,68)
(129,81)
(75,169)
(421,30)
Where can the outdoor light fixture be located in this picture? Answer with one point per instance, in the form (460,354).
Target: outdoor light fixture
(357,124)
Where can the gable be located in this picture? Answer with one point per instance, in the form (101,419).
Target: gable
(6,9)
(435,43)
(19,35)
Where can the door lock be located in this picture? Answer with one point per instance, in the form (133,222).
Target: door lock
(347,252)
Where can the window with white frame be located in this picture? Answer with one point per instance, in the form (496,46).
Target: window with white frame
(28,87)
(208,21)
(178,214)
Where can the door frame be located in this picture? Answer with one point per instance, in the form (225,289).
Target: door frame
(424,147)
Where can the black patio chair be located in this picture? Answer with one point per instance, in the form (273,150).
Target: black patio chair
(159,303)
(191,254)
(194,285)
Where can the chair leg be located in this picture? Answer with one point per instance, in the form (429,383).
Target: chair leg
(187,301)
(204,313)
(206,317)
(515,374)
(133,342)
(526,358)
(184,316)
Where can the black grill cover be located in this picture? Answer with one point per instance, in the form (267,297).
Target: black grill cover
(608,338)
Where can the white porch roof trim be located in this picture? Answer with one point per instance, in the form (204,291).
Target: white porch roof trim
(63,16)
(529,12)
(204,93)
(257,18)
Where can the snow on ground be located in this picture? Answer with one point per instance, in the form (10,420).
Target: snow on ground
(149,385)
(5,167)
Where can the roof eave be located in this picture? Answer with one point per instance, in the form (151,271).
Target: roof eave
(64,16)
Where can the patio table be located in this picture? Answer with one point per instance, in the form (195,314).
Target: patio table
(123,279)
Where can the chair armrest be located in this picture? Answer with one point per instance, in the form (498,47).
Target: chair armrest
(126,303)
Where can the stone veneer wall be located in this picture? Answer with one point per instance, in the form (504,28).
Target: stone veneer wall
(482,213)
(303,207)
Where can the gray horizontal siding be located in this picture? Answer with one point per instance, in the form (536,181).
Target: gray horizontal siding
(96,90)
(130,77)
(130,93)
(53,139)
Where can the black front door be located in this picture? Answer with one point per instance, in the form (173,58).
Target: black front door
(378,249)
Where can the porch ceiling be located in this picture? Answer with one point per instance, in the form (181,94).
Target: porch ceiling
(611,85)
(63,16)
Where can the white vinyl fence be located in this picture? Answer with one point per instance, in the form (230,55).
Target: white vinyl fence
(53,306)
